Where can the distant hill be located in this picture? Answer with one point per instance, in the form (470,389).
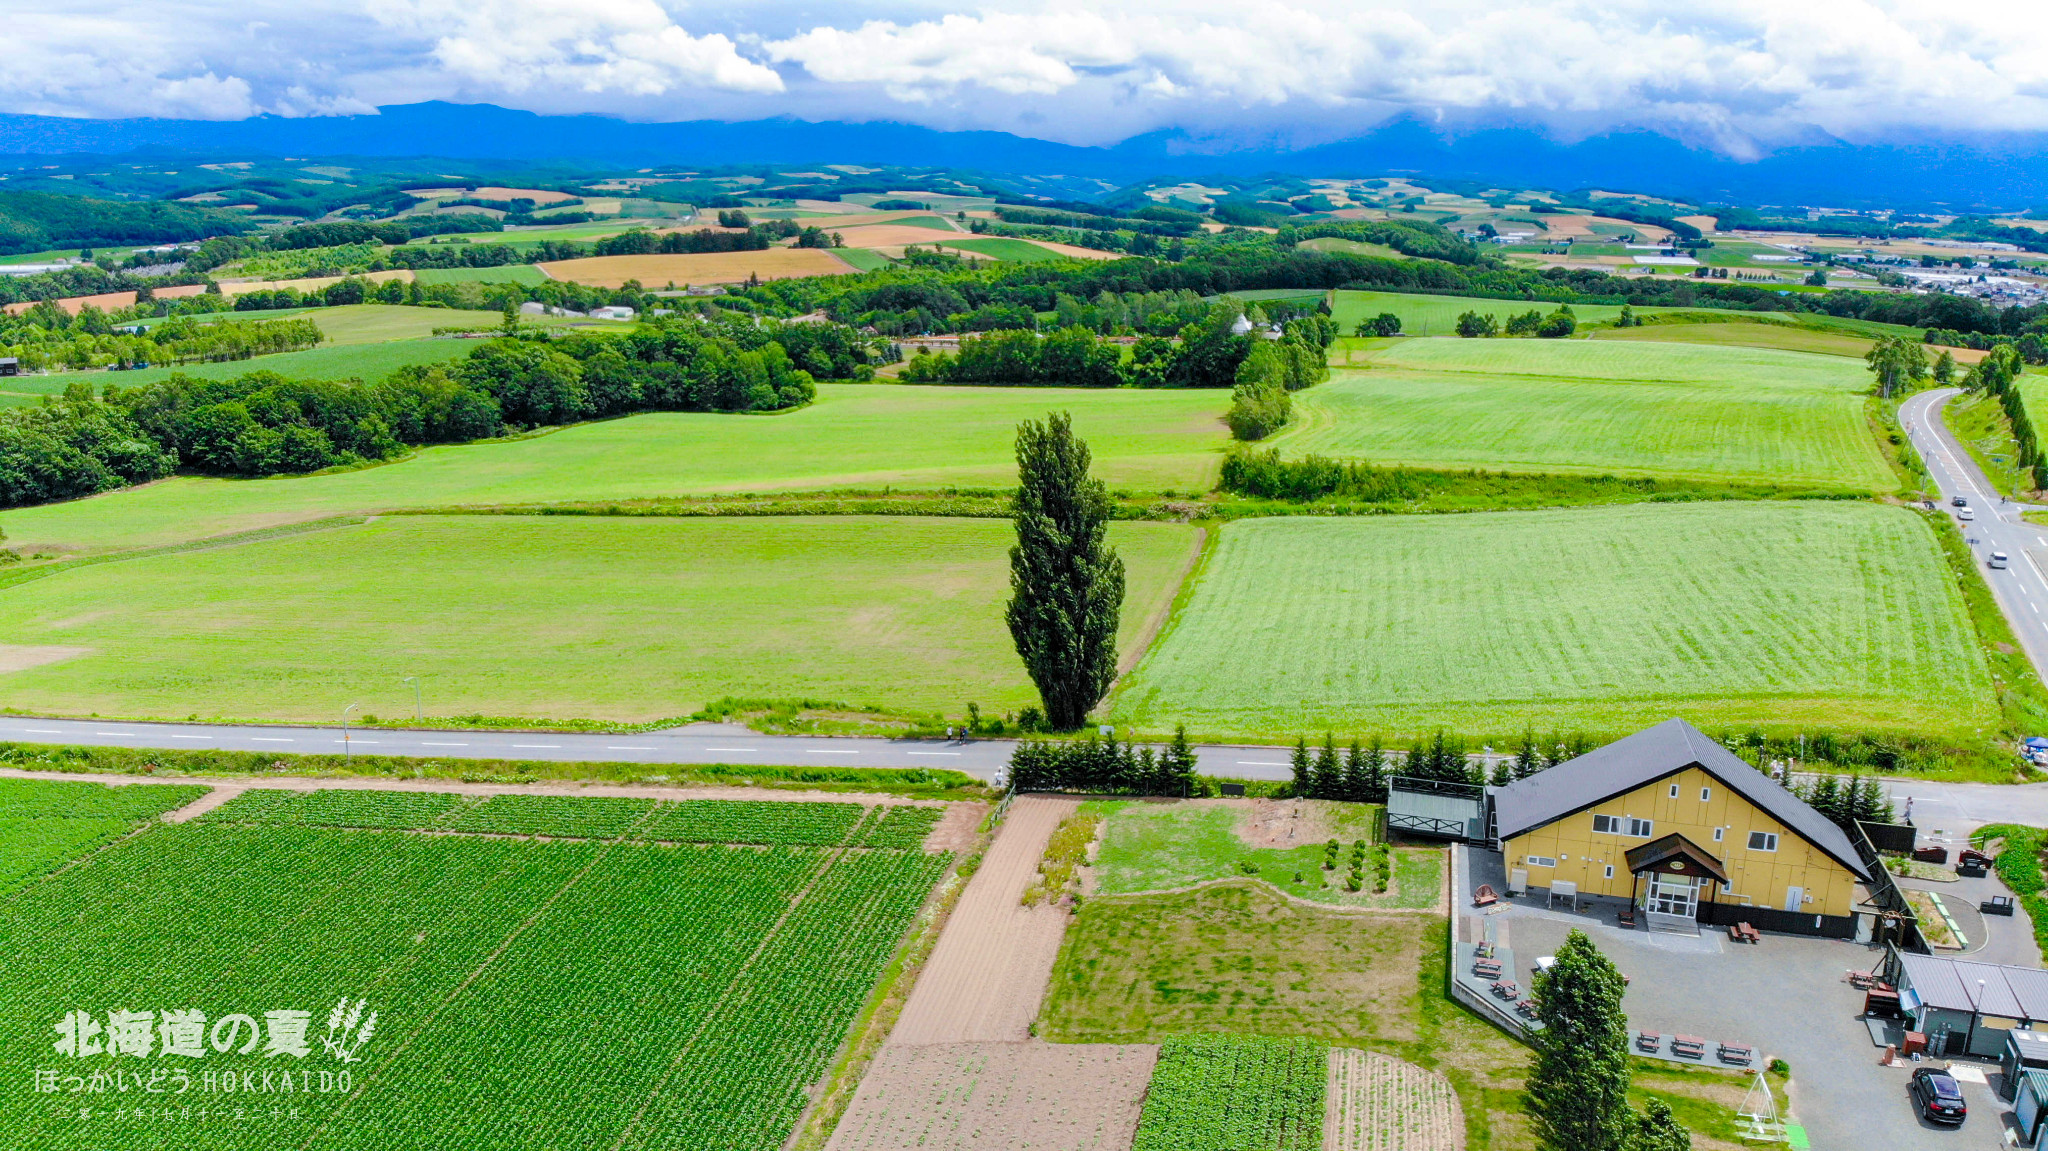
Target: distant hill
(2008,171)
(36,221)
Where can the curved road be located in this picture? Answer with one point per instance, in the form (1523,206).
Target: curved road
(2021,589)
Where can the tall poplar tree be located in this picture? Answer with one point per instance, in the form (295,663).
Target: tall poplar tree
(1066,582)
(1578,1090)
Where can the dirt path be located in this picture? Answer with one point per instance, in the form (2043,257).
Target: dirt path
(1376,1103)
(988,973)
(1013,1096)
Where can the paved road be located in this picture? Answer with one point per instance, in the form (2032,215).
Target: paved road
(696,743)
(2021,589)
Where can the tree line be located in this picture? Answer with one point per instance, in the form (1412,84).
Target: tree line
(1103,766)
(263,423)
(1071,357)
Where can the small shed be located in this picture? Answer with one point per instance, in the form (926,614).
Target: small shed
(2031,1100)
(2024,1051)
(1969,1008)
(10,366)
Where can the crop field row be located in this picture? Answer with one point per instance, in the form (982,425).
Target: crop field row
(758,822)
(1822,614)
(69,799)
(687,994)
(1670,410)
(1212,1091)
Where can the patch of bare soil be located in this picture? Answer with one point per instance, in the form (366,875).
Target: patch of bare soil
(1283,823)
(957,829)
(989,970)
(1012,1096)
(1377,1103)
(22,656)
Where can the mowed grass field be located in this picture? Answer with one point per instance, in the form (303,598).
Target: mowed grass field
(1423,315)
(554,617)
(867,436)
(508,274)
(1781,614)
(1655,409)
(326,362)
(654,271)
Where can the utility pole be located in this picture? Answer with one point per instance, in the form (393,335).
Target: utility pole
(344,731)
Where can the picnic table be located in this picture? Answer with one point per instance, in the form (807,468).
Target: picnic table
(1649,1041)
(1738,1053)
(1507,989)
(1689,1046)
(1744,933)
(1486,968)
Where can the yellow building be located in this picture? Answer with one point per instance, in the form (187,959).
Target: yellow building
(1674,823)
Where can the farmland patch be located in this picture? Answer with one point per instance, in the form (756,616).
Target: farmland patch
(1602,619)
(655,271)
(1016,1096)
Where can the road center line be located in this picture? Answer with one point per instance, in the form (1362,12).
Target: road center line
(1259,763)
(624,747)
(830,751)
(191,737)
(267,739)
(732,749)
(537,746)
(41,731)
(954,753)
(430,743)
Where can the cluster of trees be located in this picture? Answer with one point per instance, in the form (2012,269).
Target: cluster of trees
(1071,357)
(265,424)
(92,342)
(1131,313)
(1358,776)
(1408,237)
(1265,475)
(1847,800)
(1384,324)
(1897,364)
(2032,343)
(1154,220)
(1579,1087)
(1998,373)
(1271,371)
(1104,766)
(1556,325)
(38,221)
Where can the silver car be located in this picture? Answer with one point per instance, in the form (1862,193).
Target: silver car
(1997,559)
(1965,514)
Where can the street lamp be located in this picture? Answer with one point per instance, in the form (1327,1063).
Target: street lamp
(415,682)
(344,731)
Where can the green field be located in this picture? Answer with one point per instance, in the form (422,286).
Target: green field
(684,997)
(863,259)
(1005,248)
(1350,247)
(1671,410)
(1423,315)
(525,274)
(1235,1091)
(1783,615)
(1781,337)
(326,362)
(855,435)
(630,618)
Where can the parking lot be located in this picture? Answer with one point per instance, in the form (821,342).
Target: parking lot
(1786,996)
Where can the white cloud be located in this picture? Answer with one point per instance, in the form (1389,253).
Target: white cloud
(1737,73)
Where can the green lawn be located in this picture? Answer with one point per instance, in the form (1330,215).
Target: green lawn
(382,323)
(1157,846)
(1005,248)
(553,616)
(1781,337)
(1672,410)
(1423,315)
(509,274)
(1803,615)
(855,435)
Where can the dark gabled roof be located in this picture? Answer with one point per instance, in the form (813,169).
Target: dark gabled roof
(1657,852)
(1960,985)
(1650,755)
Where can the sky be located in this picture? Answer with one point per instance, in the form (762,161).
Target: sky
(1737,76)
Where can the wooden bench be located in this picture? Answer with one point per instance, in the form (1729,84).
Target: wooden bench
(1626,916)
(1486,896)
(1487,968)
(1736,1053)
(1649,1041)
(1744,933)
(1507,989)
(1689,1046)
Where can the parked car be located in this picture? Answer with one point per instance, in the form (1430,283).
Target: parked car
(1940,1097)
(1965,514)
(1960,501)
(1974,858)
(1998,559)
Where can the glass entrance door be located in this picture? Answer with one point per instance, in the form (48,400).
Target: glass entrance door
(1675,895)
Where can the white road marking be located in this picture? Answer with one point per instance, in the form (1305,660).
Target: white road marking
(955,753)
(191,737)
(831,751)
(267,739)
(116,734)
(41,731)
(430,743)
(624,747)
(732,749)
(1259,763)
(537,746)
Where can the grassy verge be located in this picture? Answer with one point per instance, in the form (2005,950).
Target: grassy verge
(1474,490)
(917,783)
(1985,431)
(2019,867)
(2022,698)
(1906,464)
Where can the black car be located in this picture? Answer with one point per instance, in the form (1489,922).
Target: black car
(1959,501)
(1940,1097)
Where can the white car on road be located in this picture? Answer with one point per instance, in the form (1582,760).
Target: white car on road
(1965,514)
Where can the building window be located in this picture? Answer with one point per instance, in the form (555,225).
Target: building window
(1717,834)
(1621,825)
(1541,861)
(1763,841)
(1610,871)
(1674,791)
(1704,793)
